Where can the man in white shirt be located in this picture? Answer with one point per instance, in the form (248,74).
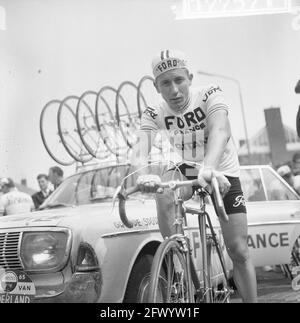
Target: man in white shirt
(13,201)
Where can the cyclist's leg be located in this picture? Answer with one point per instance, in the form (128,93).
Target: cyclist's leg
(165,204)
(235,237)
(235,234)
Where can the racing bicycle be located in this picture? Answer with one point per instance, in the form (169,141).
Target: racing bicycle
(174,278)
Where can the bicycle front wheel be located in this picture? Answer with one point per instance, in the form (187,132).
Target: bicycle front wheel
(170,279)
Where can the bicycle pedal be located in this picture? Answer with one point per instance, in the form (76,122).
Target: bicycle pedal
(224,292)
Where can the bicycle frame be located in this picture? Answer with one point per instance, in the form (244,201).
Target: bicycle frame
(180,211)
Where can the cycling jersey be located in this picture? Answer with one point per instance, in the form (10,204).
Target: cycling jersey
(15,202)
(187,130)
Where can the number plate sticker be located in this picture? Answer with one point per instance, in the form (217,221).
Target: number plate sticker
(16,287)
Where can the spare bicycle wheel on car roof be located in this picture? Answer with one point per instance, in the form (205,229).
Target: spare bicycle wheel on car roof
(107,123)
(88,132)
(67,129)
(50,136)
(127,112)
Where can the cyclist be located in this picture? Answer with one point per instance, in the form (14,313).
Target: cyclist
(196,124)
(13,201)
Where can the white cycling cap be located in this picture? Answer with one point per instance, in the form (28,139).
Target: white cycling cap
(167,60)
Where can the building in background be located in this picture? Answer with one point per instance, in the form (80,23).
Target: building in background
(274,144)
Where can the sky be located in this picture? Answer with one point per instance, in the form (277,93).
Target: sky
(54,48)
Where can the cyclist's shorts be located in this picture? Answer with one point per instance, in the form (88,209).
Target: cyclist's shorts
(234,201)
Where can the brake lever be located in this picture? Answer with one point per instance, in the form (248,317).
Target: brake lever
(116,195)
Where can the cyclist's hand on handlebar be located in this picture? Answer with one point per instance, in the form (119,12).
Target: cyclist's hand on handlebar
(224,184)
(149,183)
(206,175)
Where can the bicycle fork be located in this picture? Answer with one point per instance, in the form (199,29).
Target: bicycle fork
(206,274)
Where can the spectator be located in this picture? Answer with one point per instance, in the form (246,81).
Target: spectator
(39,197)
(13,201)
(56,176)
(286,173)
(296,164)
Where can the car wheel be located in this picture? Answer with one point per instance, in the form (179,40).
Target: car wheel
(138,283)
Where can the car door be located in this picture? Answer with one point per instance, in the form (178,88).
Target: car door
(273,215)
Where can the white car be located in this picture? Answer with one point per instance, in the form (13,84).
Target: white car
(76,249)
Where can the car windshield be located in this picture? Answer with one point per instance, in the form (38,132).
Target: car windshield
(263,184)
(252,185)
(277,188)
(93,186)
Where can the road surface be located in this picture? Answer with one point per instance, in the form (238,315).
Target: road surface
(273,287)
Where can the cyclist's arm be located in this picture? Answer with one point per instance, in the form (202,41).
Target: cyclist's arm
(140,153)
(219,133)
(146,136)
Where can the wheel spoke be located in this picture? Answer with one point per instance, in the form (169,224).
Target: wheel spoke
(169,275)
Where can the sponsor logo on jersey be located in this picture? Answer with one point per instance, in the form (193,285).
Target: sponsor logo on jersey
(189,119)
(211,91)
(151,112)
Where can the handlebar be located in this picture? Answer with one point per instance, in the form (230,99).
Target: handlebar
(173,185)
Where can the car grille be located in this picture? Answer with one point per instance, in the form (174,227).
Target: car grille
(9,253)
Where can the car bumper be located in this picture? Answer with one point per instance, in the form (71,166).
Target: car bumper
(83,287)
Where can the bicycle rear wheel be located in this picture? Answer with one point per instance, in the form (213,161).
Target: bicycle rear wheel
(220,289)
(170,280)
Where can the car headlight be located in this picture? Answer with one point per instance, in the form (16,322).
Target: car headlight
(44,250)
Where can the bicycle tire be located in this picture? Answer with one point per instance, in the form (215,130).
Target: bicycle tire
(220,289)
(131,122)
(111,134)
(97,151)
(140,94)
(43,136)
(100,95)
(166,284)
(76,156)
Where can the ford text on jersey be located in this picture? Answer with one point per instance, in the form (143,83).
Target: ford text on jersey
(187,130)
